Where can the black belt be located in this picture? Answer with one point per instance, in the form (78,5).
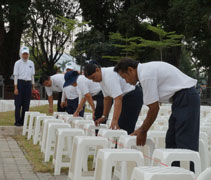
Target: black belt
(24,80)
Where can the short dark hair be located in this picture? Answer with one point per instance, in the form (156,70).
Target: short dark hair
(90,69)
(124,64)
(43,78)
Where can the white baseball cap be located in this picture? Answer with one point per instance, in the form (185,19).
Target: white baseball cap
(69,67)
(24,49)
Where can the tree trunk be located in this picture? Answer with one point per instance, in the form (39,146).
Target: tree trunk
(10,41)
(9,54)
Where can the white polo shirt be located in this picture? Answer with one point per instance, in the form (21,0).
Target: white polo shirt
(85,86)
(69,92)
(112,84)
(24,69)
(57,84)
(160,81)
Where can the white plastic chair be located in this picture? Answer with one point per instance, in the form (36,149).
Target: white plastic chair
(45,131)
(204,154)
(26,120)
(51,138)
(112,135)
(167,156)
(90,129)
(38,127)
(161,173)
(32,121)
(106,159)
(56,114)
(63,147)
(129,142)
(79,156)
(205,175)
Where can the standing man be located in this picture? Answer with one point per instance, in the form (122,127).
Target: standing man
(127,98)
(162,82)
(23,81)
(53,84)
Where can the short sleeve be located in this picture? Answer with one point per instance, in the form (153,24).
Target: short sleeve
(15,70)
(79,92)
(33,69)
(104,93)
(115,87)
(150,91)
(49,91)
(83,86)
(60,84)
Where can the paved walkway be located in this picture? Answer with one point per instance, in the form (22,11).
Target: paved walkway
(14,165)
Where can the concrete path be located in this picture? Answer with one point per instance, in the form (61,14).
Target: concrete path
(14,165)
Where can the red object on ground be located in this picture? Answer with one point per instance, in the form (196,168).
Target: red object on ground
(35,94)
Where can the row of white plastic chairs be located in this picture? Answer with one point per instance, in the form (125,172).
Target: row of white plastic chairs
(55,137)
(159,126)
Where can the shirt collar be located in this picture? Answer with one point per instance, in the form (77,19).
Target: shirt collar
(25,61)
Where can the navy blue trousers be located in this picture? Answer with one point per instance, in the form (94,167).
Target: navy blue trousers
(184,122)
(72,105)
(131,106)
(22,101)
(99,106)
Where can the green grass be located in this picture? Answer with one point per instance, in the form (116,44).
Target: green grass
(35,157)
(8,118)
(32,152)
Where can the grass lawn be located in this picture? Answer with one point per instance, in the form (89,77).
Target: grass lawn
(32,152)
(34,155)
(8,118)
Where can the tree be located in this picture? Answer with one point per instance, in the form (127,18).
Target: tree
(166,39)
(133,46)
(51,24)
(13,21)
(188,17)
(93,45)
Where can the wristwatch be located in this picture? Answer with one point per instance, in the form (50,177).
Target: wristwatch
(103,116)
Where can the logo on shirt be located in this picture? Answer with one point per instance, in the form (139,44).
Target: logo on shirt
(30,66)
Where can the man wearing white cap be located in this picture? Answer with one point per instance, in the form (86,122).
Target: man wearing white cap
(69,68)
(23,81)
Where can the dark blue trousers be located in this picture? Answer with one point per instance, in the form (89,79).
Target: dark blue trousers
(131,106)
(99,106)
(72,105)
(184,122)
(22,101)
